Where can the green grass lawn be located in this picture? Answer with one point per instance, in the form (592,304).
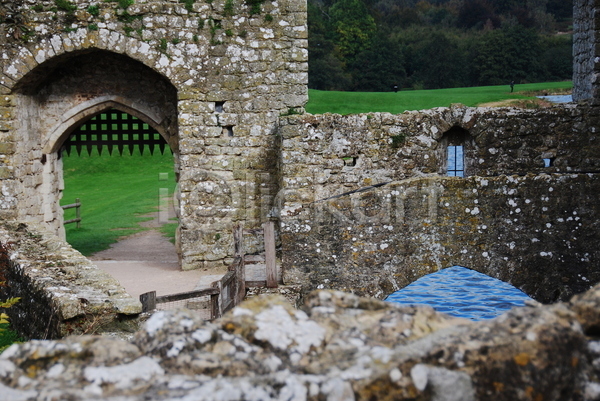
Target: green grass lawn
(116,192)
(365,102)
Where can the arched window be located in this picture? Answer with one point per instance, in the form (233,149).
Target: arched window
(456,143)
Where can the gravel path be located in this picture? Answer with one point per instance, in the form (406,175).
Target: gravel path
(147,261)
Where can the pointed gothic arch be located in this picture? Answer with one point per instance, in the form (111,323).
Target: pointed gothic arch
(65,92)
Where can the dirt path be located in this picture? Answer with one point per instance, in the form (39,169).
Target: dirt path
(147,261)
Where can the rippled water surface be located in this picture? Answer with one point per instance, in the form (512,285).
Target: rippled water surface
(461,292)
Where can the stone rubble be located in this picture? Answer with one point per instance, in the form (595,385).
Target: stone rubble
(339,347)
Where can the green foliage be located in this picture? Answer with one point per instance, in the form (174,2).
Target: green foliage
(189,4)
(94,10)
(200,23)
(268,18)
(215,25)
(162,47)
(175,40)
(8,337)
(93,27)
(124,4)
(38,8)
(228,8)
(116,192)
(65,5)
(364,102)
(228,32)
(353,26)
(255,6)
(508,54)
(243,33)
(370,45)
(398,140)
(128,18)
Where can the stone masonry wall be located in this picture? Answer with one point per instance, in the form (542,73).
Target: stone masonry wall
(365,206)
(61,291)
(585,50)
(211,77)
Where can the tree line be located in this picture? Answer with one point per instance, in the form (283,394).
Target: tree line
(374,45)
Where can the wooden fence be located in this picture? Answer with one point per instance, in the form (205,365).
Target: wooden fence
(227,292)
(77,206)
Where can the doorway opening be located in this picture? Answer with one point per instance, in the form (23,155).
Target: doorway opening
(121,170)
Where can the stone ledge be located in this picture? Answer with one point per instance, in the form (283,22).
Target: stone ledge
(61,291)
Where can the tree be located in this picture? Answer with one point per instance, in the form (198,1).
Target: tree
(476,13)
(435,60)
(379,67)
(512,53)
(353,27)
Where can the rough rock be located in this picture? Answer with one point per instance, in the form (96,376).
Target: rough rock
(340,347)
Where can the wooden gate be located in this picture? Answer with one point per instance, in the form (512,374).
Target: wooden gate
(114,129)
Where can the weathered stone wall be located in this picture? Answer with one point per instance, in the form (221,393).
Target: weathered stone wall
(211,77)
(514,219)
(61,291)
(585,50)
(341,347)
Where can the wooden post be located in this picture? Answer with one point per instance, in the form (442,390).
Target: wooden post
(78,212)
(269,228)
(148,301)
(214,306)
(240,268)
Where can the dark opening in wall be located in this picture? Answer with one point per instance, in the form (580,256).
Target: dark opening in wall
(548,162)
(228,130)
(350,161)
(219,107)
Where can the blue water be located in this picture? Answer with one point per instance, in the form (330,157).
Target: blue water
(461,292)
(558,98)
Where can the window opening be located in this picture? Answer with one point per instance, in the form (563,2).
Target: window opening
(350,161)
(456,161)
(219,107)
(549,162)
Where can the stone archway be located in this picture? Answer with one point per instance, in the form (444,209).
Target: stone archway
(63,94)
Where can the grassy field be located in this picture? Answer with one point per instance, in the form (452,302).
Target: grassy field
(116,193)
(364,102)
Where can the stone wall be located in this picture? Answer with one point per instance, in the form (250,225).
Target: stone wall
(211,77)
(585,50)
(61,291)
(365,206)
